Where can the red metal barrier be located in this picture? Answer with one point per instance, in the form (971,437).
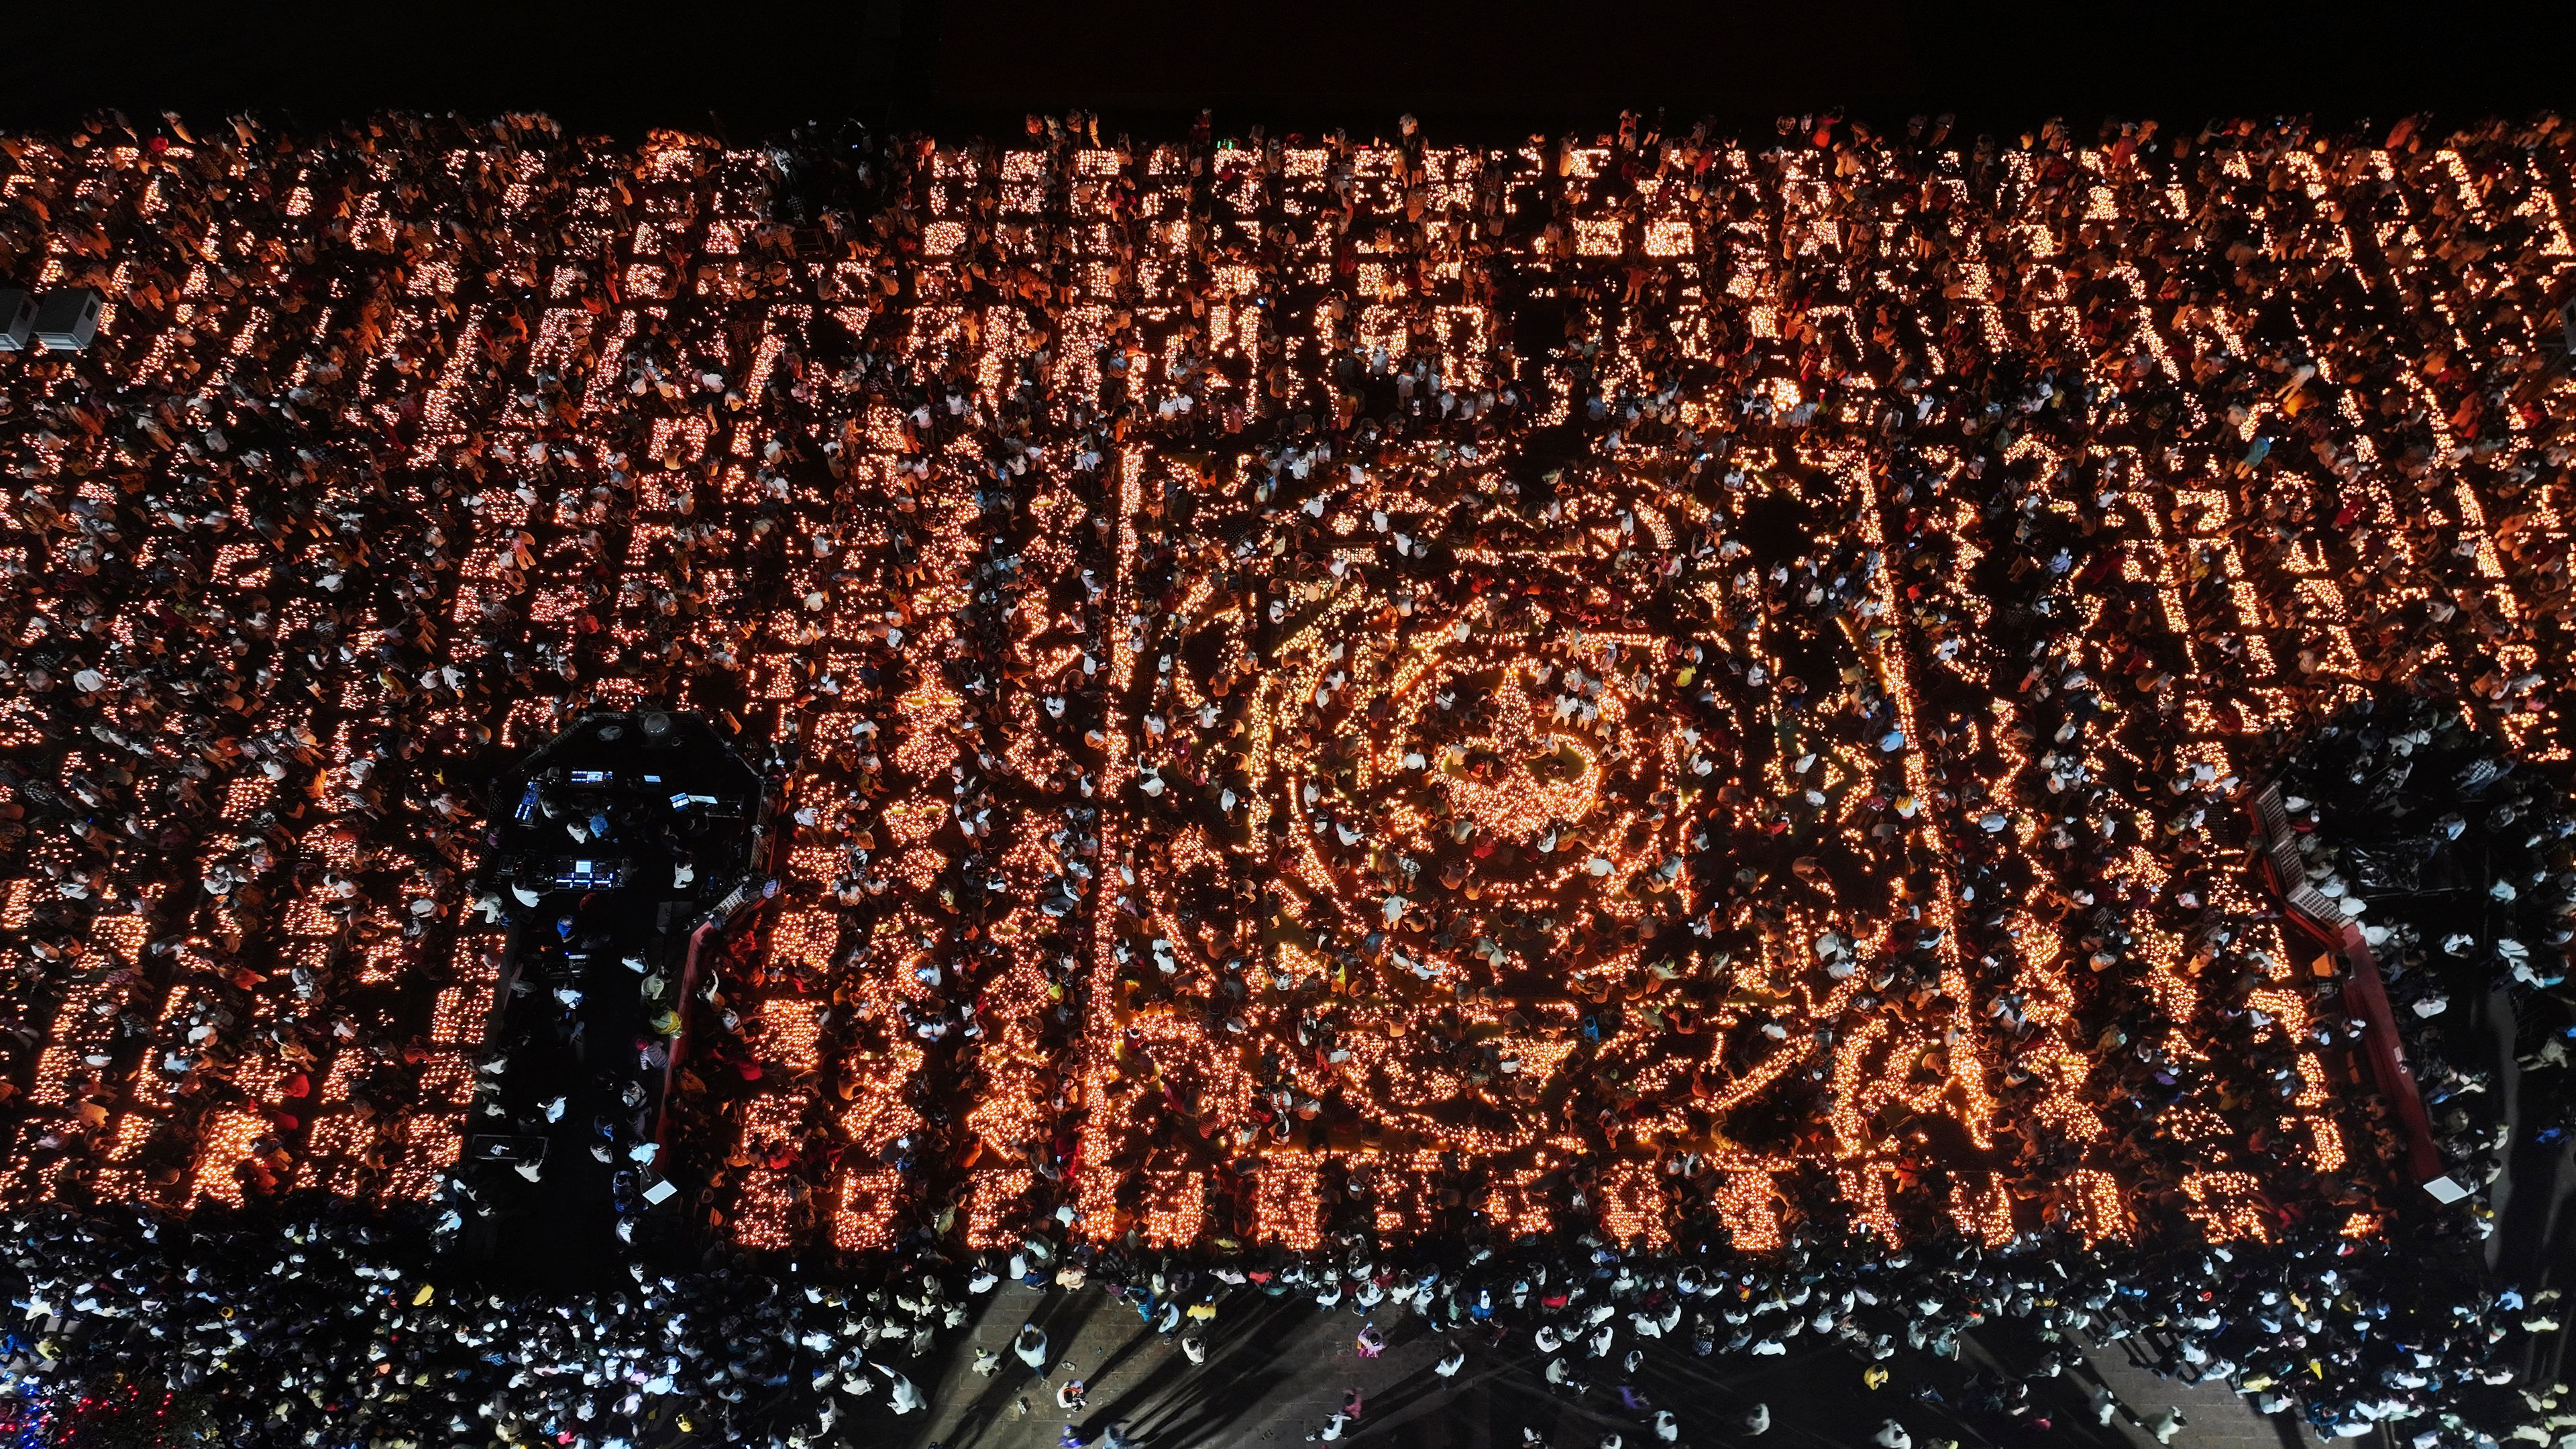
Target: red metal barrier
(2316,914)
(699,940)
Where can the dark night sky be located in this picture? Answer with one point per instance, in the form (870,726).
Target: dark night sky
(1471,68)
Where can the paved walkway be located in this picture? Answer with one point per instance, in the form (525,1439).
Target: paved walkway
(1277,1366)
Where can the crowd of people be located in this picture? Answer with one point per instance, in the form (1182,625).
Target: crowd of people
(335,1325)
(2456,857)
(1656,715)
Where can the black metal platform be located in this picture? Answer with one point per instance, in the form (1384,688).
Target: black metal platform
(621,850)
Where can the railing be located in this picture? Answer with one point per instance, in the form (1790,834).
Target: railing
(2316,913)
